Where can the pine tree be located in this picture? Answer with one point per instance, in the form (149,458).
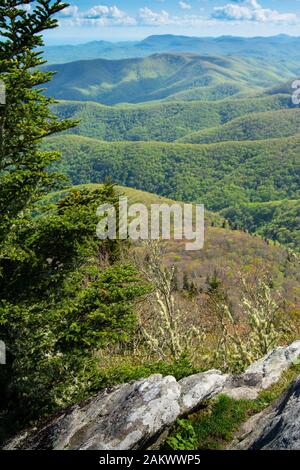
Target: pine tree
(25,118)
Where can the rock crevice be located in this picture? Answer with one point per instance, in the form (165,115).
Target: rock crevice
(275,428)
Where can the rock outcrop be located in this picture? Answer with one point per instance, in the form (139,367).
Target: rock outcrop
(139,414)
(275,428)
(124,417)
(199,388)
(263,373)
(129,416)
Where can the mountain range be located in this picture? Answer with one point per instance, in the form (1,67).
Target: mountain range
(204,126)
(276,47)
(177,77)
(219,175)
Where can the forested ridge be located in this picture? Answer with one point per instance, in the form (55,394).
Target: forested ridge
(218,175)
(252,126)
(165,121)
(164,75)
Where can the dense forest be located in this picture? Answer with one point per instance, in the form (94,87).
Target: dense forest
(162,121)
(253,126)
(277,220)
(219,175)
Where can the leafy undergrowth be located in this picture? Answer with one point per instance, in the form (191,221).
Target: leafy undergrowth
(213,427)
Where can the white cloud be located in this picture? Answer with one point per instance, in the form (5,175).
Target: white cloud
(70,12)
(184,5)
(104,15)
(107,15)
(152,18)
(98,15)
(251,10)
(237,10)
(97,11)
(100,11)
(148,17)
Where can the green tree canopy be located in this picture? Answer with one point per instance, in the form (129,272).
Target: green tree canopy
(26,117)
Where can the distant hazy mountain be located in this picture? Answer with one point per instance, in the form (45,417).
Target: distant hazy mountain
(162,76)
(279,47)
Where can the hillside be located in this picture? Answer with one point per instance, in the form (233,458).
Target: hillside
(279,220)
(134,196)
(278,47)
(253,126)
(224,249)
(219,91)
(160,76)
(163,121)
(220,175)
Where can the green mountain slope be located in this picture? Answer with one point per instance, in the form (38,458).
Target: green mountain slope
(279,220)
(135,196)
(219,91)
(163,121)
(220,175)
(223,249)
(159,76)
(256,126)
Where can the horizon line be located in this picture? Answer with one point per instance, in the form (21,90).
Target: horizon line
(223,36)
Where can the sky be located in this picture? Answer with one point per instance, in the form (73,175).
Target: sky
(120,20)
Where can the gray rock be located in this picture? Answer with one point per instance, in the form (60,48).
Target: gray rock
(243,387)
(200,387)
(271,367)
(138,415)
(128,416)
(276,428)
(263,373)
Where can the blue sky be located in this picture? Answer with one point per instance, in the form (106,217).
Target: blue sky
(121,20)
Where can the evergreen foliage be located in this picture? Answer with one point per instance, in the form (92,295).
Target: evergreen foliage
(26,117)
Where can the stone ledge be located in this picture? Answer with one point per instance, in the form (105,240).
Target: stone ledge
(136,415)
